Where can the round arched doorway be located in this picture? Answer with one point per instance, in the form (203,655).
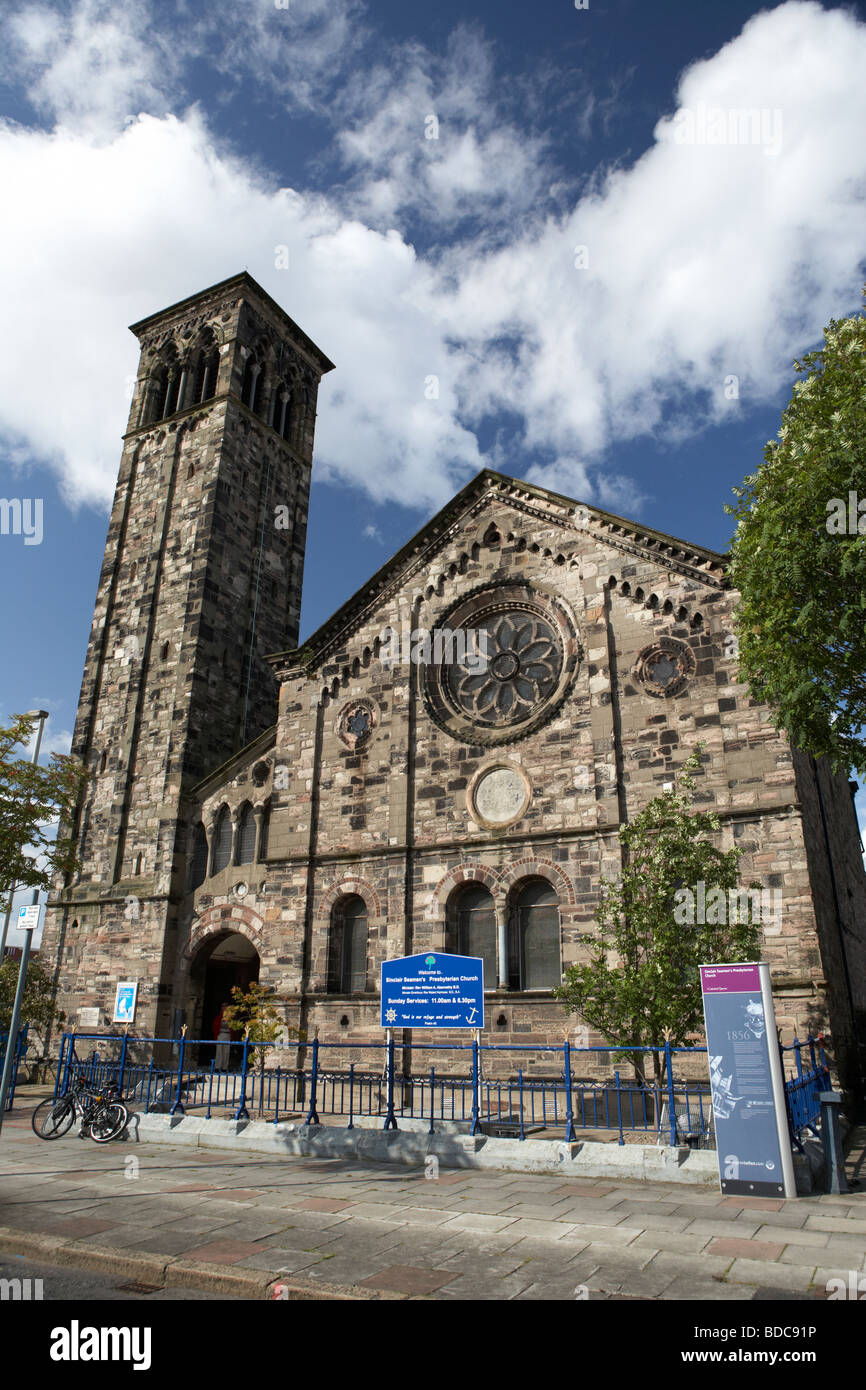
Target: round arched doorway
(225,962)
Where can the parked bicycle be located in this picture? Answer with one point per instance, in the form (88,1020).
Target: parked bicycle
(102,1114)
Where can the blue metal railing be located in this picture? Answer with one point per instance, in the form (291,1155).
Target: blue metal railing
(679,1108)
(802,1088)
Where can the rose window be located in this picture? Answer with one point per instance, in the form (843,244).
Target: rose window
(664,668)
(524,659)
(355,723)
(510,669)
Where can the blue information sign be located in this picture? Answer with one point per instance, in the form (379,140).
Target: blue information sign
(433,991)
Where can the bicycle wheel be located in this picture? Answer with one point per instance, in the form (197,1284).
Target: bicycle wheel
(53,1118)
(108,1122)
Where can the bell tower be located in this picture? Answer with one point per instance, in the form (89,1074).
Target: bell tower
(201,580)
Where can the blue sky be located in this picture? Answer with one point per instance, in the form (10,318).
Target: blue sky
(521,202)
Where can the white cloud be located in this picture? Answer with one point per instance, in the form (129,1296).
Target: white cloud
(430,137)
(703,261)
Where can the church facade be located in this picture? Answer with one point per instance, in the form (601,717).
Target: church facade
(444,765)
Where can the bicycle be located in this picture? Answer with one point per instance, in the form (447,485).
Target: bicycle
(102,1113)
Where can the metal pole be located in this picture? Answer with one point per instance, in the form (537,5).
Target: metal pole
(473,1128)
(570,1136)
(11,1058)
(390,1120)
(41,715)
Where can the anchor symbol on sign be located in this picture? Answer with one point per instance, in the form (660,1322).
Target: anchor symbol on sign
(473,1011)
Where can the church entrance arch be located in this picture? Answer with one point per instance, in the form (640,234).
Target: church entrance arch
(223,962)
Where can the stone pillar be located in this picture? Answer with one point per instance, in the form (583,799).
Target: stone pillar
(259,815)
(210,832)
(502,949)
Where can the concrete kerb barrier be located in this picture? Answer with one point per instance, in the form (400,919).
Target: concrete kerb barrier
(646,1162)
(167,1272)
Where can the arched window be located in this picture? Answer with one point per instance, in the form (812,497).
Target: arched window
(263,842)
(223,846)
(474,928)
(206,370)
(198,867)
(155,394)
(533,938)
(246,838)
(252,383)
(347,957)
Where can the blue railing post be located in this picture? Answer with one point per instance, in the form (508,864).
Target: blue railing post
(520,1099)
(390,1120)
(242,1113)
(473,1128)
(351,1124)
(149,1082)
(210,1085)
(432,1095)
(570,1135)
(277,1101)
(177,1101)
(813,1059)
(798,1059)
(619,1106)
(672,1109)
(61,1063)
(122,1064)
(312,1117)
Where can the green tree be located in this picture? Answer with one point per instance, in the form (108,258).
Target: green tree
(253,1012)
(798,556)
(37,1004)
(32,800)
(641,983)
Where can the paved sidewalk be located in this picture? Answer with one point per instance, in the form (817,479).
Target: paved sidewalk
(389,1230)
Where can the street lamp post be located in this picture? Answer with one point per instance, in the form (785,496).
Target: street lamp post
(11,1058)
(41,715)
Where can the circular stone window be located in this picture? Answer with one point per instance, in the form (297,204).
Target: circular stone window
(664,668)
(505,661)
(355,723)
(260,774)
(499,795)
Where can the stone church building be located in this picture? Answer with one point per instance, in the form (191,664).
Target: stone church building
(296,816)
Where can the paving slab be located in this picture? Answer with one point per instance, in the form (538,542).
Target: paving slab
(479,1221)
(674,1241)
(844,1226)
(493,1289)
(777,1275)
(687,1288)
(409,1279)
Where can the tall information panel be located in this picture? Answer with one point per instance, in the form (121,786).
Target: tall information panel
(752,1136)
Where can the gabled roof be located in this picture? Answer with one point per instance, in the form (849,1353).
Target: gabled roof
(696,561)
(243,284)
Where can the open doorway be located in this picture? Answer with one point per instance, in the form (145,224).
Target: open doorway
(232,961)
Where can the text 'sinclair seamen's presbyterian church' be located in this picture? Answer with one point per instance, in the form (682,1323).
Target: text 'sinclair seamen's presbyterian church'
(256,811)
